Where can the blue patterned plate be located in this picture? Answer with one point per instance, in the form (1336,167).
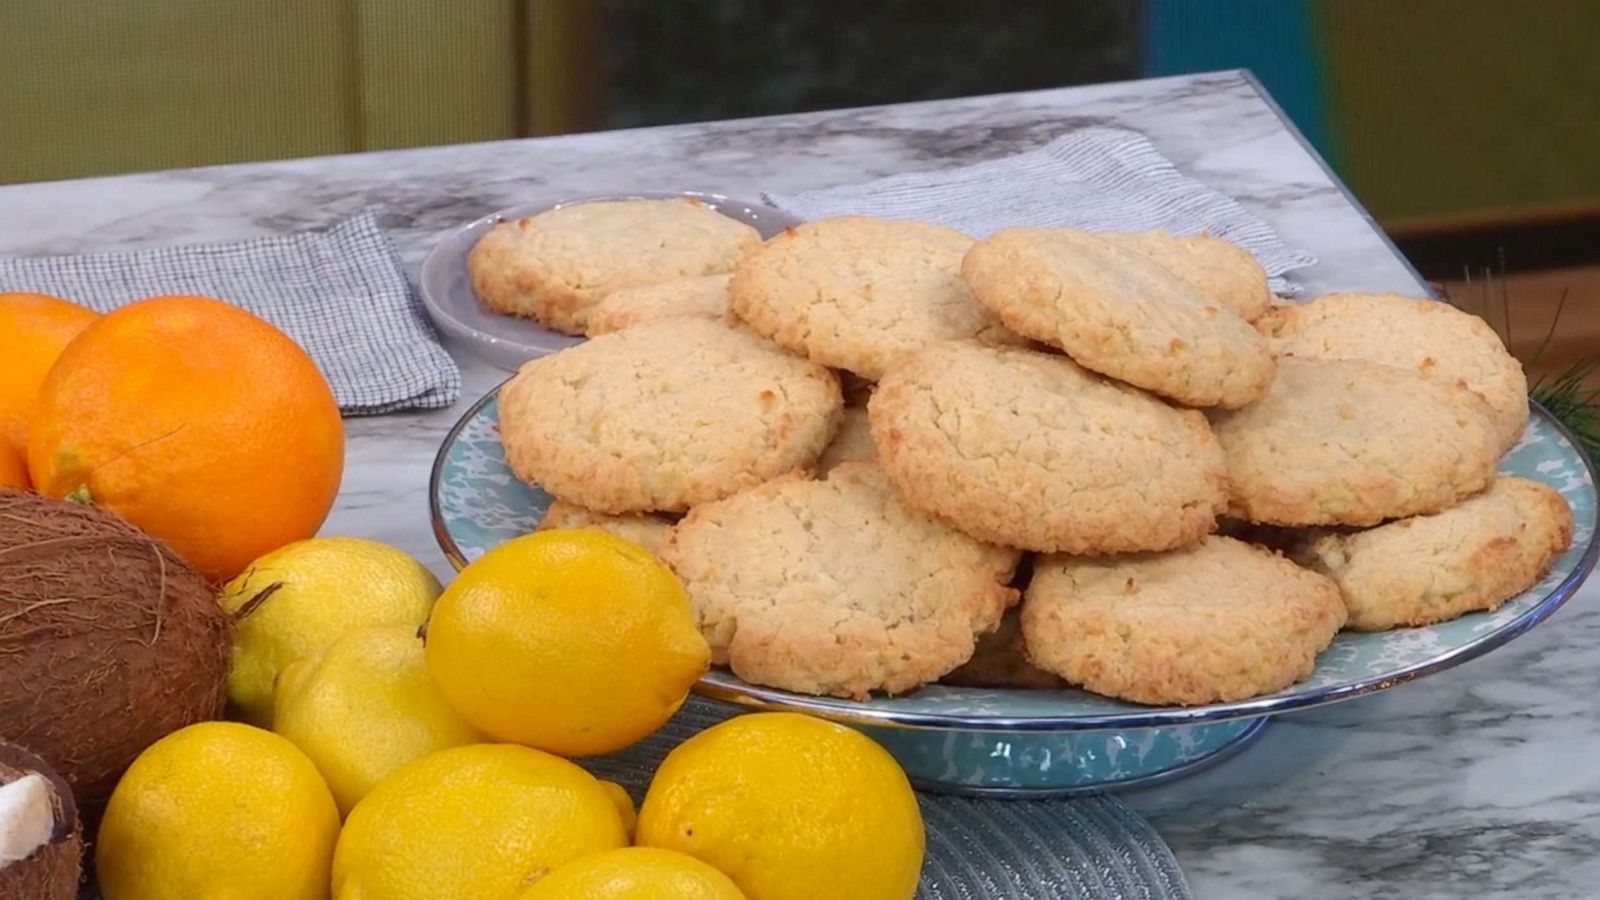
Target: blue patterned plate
(1031,741)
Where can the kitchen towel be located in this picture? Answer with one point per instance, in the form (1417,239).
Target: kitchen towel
(1100,179)
(339,293)
(1090,848)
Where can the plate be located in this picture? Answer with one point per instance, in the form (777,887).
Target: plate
(509,341)
(1025,741)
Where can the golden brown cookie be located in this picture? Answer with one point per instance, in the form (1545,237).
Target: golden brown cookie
(1115,311)
(1429,569)
(836,586)
(648,530)
(555,266)
(700,297)
(1026,449)
(1347,442)
(1222,620)
(857,292)
(665,416)
(1215,267)
(1430,338)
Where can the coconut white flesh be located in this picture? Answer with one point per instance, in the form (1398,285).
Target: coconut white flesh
(27,817)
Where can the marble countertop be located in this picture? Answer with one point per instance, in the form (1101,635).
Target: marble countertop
(1475,782)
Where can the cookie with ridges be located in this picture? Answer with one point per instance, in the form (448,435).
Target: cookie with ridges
(701,297)
(1431,338)
(857,292)
(648,530)
(1027,449)
(664,416)
(1347,442)
(1117,312)
(836,586)
(1429,569)
(555,266)
(1217,268)
(1221,620)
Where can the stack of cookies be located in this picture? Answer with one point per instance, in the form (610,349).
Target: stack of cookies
(881,453)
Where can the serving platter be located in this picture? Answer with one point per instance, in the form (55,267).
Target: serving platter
(1041,742)
(509,341)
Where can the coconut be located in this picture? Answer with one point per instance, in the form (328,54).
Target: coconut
(108,641)
(41,840)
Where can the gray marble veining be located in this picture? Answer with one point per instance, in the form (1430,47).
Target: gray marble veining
(1478,782)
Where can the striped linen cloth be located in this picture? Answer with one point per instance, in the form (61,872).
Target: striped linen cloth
(1093,848)
(340,293)
(1100,179)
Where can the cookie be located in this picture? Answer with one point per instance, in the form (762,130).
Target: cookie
(1216,268)
(836,586)
(1026,449)
(700,297)
(648,530)
(853,443)
(666,415)
(1348,442)
(1433,339)
(555,266)
(857,292)
(1221,620)
(1115,311)
(1429,569)
(1001,661)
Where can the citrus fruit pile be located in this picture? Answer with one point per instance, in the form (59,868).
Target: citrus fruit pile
(401,742)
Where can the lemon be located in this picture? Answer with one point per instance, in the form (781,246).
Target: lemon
(634,873)
(365,707)
(619,796)
(789,807)
(476,823)
(218,809)
(298,599)
(575,642)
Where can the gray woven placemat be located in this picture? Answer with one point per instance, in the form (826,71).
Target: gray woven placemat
(339,293)
(1093,848)
(1102,179)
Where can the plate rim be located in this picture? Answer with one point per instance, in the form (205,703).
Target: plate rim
(758,697)
(437,258)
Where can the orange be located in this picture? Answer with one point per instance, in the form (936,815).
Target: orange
(197,422)
(13,472)
(33,329)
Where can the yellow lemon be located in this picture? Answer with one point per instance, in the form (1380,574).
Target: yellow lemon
(365,707)
(298,599)
(634,873)
(619,796)
(218,809)
(575,642)
(479,822)
(789,807)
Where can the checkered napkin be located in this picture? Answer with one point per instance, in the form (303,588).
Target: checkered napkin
(1093,848)
(340,293)
(1101,179)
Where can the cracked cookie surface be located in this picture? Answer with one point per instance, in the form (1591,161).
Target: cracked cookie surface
(1429,569)
(1222,620)
(555,266)
(1117,312)
(857,292)
(1430,338)
(1348,442)
(1217,268)
(663,416)
(836,586)
(1027,449)
(701,297)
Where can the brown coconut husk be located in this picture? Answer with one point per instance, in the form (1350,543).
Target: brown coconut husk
(108,640)
(54,871)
